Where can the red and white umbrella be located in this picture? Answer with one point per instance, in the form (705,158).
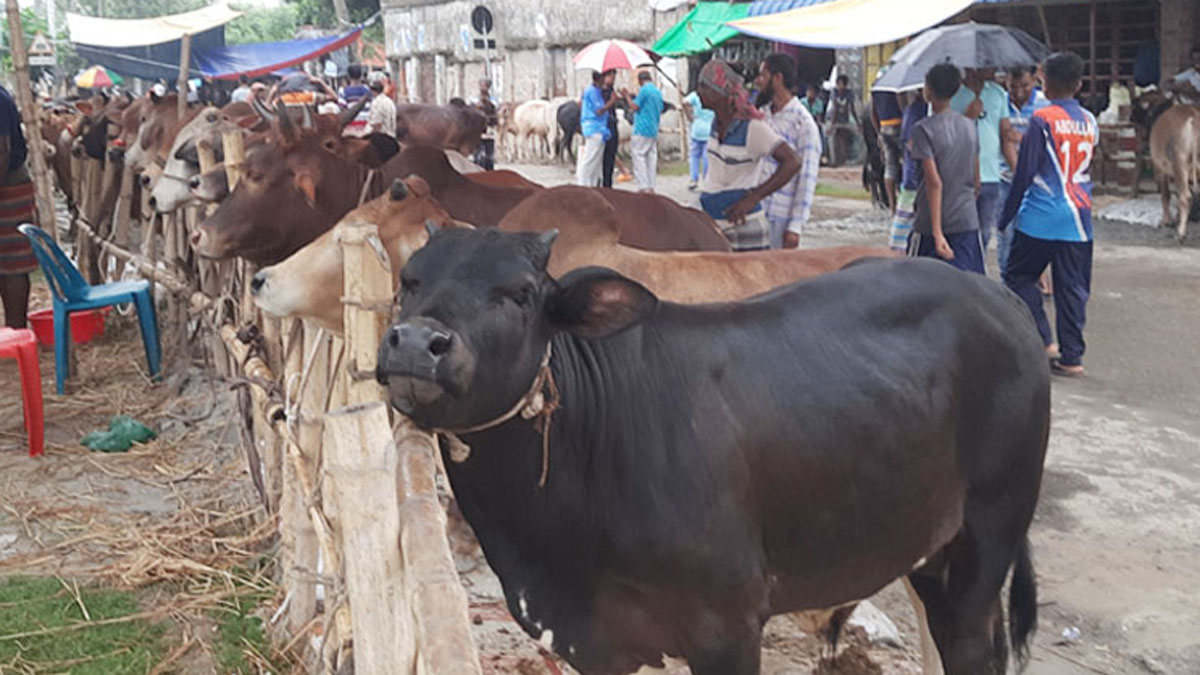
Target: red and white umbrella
(605,55)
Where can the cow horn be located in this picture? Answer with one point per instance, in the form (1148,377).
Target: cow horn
(398,191)
(347,116)
(262,110)
(431,227)
(286,126)
(306,116)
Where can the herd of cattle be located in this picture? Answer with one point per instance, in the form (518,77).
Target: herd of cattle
(541,129)
(717,437)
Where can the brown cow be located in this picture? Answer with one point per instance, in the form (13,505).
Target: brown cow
(309,283)
(502,178)
(648,221)
(157,122)
(589,234)
(1175,154)
(295,186)
(452,127)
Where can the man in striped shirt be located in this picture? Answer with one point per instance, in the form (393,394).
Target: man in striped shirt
(788,209)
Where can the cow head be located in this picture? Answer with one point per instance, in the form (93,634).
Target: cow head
(182,167)
(309,283)
(99,123)
(294,186)
(1148,106)
(477,309)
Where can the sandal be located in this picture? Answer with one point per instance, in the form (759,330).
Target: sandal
(1057,367)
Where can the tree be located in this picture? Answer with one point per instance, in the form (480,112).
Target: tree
(258,24)
(321,13)
(135,9)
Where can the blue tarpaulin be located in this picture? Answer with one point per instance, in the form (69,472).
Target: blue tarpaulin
(260,58)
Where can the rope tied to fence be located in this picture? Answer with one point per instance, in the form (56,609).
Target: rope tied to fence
(534,405)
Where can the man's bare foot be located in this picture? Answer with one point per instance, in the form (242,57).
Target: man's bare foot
(1059,368)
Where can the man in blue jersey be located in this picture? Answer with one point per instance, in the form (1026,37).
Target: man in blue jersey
(1051,198)
(593,122)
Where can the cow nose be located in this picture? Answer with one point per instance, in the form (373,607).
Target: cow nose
(195,239)
(257,282)
(420,344)
(145,180)
(194,182)
(153,202)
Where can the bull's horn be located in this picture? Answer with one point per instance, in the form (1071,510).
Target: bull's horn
(347,116)
(286,126)
(398,191)
(306,117)
(262,110)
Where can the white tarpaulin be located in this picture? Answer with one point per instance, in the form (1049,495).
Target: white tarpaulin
(850,23)
(89,30)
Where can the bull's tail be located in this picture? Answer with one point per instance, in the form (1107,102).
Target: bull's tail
(1022,605)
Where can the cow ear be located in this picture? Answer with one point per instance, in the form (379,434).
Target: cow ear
(187,152)
(307,185)
(595,302)
(372,150)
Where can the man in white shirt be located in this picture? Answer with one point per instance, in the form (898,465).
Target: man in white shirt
(1187,83)
(382,117)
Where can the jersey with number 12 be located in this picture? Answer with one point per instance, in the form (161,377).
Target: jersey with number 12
(1054,173)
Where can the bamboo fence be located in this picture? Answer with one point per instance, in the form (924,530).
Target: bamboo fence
(366,570)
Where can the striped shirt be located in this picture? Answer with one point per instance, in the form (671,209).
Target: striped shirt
(792,204)
(732,173)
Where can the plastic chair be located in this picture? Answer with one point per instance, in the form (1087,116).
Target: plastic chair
(21,344)
(72,293)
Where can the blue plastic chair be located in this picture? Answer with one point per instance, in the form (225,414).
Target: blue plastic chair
(72,294)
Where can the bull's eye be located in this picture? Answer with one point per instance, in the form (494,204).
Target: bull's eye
(523,297)
(330,144)
(212,117)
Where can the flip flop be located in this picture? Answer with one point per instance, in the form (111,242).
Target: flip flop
(1057,367)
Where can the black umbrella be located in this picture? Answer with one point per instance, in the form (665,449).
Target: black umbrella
(967,45)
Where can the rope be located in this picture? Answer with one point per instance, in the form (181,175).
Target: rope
(533,405)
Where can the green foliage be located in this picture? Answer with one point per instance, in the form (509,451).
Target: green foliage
(135,9)
(258,24)
(240,632)
(37,603)
(320,12)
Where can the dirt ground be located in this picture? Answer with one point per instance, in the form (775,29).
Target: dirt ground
(1116,537)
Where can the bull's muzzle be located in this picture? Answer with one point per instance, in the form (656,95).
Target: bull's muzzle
(414,349)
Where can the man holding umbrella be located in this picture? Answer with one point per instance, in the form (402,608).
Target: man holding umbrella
(986,103)
(593,124)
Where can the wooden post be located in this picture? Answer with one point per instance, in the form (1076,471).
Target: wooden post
(43,193)
(181,87)
(366,299)
(361,461)
(124,210)
(437,601)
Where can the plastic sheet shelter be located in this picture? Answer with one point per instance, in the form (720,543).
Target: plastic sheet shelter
(850,23)
(260,58)
(702,29)
(148,48)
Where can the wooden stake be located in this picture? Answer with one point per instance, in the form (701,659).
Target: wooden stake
(366,291)
(43,192)
(438,602)
(181,87)
(361,461)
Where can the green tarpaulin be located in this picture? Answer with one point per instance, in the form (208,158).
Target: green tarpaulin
(702,29)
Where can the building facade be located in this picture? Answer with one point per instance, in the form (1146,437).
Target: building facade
(439,49)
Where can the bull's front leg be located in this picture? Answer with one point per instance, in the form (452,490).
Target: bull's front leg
(1185,203)
(1164,191)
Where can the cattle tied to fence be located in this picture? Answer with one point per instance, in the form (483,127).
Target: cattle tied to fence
(689,471)
(294,187)
(308,284)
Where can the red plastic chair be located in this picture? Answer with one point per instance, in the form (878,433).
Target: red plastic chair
(21,344)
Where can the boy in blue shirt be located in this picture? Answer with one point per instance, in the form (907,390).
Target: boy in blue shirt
(1051,199)
(647,110)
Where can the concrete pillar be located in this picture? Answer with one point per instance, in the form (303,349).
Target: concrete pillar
(1176,19)
(412,76)
(543,80)
(439,79)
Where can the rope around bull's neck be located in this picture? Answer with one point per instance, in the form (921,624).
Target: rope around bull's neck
(530,406)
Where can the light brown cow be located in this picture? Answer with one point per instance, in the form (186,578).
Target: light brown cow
(589,233)
(309,283)
(1175,154)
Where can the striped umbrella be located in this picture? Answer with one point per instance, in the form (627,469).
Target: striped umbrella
(605,55)
(97,77)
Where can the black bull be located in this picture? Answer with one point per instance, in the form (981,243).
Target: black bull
(710,466)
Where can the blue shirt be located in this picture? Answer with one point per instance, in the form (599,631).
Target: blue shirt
(10,126)
(911,172)
(650,104)
(1019,119)
(1051,193)
(592,122)
(702,118)
(352,92)
(995,108)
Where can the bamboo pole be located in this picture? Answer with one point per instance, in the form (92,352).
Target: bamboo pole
(124,209)
(145,268)
(361,461)
(366,300)
(43,193)
(181,87)
(436,599)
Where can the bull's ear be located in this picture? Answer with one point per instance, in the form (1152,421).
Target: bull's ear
(372,150)
(307,185)
(187,152)
(595,302)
